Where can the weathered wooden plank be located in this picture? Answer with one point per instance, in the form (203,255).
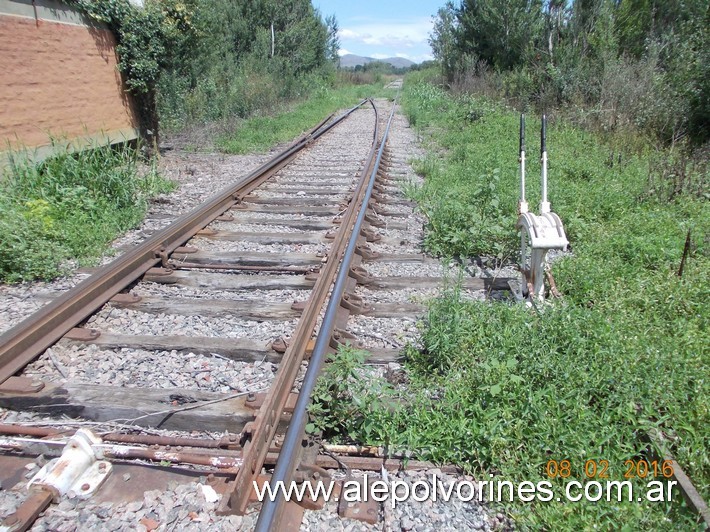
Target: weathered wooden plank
(283,238)
(232,282)
(383,356)
(244,308)
(393,310)
(322,189)
(322,224)
(240,349)
(252,258)
(298,200)
(397,283)
(145,407)
(403,257)
(268,238)
(316,210)
(250,309)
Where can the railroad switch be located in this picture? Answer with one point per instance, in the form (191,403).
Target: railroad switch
(78,472)
(538,233)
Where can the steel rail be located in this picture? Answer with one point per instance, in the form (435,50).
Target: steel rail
(267,418)
(27,340)
(271,510)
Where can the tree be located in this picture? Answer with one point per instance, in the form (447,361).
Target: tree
(499,31)
(443,39)
(332,46)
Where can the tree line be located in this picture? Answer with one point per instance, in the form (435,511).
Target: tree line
(190,61)
(639,63)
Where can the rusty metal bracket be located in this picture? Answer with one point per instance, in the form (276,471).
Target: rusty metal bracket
(81,334)
(366,252)
(299,306)
(125,298)
(159,272)
(341,338)
(355,304)
(312,276)
(366,510)
(374,221)
(280,345)
(186,250)
(370,235)
(28,512)
(361,275)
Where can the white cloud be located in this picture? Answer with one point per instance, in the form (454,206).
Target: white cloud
(416,58)
(343,51)
(379,56)
(395,34)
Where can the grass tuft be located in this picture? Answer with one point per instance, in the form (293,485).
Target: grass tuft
(68,208)
(264,132)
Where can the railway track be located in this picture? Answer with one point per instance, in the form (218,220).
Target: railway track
(311,251)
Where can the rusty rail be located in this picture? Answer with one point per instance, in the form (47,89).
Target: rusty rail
(272,510)
(267,419)
(28,339)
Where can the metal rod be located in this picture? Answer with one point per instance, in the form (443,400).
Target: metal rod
(523,205)
(544,204)
(284,466)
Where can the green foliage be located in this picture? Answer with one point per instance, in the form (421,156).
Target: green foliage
(263,132)
(196,61)
(234,66)
(142,35)
(48,207)
(350,402)
(639,64)
(498,32)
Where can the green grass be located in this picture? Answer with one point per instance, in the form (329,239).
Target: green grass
(264,132)
(69,208)
(499,388)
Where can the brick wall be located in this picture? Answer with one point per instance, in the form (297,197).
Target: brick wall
(58,77)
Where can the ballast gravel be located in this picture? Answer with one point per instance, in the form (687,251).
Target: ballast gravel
(126,321)
(135,368)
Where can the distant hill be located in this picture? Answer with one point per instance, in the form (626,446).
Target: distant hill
(352,60)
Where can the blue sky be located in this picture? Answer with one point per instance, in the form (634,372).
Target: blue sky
(382,28)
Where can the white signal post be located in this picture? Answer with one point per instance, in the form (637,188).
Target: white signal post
(538,234)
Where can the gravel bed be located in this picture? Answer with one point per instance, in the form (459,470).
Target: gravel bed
(403,247)
(426,516)
(276,216)
(255,228)
(231,246)
(166,290)
(404,269)
(308,186)
(182,507)
(126,321)
(266,194)
(18,301)
(390,333)
(135,368)
(400,209)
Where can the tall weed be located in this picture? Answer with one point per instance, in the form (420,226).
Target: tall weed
(68,208)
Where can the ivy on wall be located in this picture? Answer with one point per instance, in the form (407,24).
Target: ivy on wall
(144,37)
